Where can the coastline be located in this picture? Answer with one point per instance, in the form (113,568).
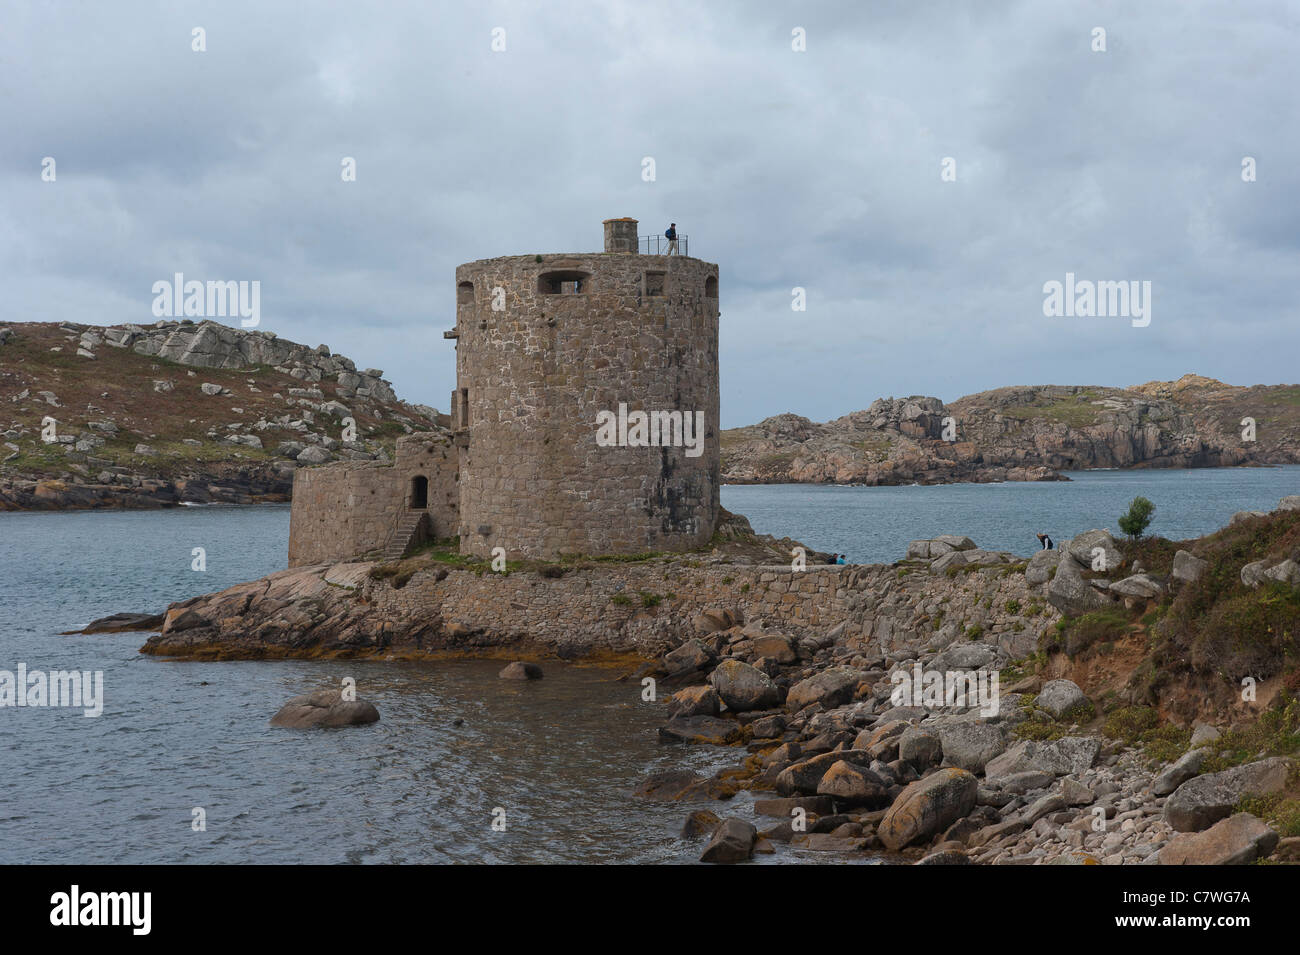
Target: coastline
(797,672)
(39,494)
(42,494)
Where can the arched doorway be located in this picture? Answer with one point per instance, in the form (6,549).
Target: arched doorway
(419,499)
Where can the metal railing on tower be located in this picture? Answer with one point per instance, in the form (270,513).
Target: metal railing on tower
(658,244)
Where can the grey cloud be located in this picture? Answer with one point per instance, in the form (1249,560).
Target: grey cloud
(816,169)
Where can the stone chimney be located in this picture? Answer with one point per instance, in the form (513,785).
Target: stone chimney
(620,235)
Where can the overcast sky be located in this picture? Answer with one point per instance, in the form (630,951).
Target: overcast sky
(818,169)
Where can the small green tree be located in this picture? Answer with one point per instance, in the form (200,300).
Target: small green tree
(1140,512)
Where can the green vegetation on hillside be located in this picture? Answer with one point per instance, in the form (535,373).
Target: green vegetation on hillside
(121,399)
(1076,411)
(1221,626)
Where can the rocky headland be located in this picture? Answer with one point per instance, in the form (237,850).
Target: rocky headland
(1125,701)
(180,412)
(1029,433)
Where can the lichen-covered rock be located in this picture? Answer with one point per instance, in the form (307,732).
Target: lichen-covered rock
(881,740)
(966,656)
(690,656)
(919,747)
(1058,697)
(1095,550)
(1025,781)
(928,806)
(713,619)
(1137,585)
(1076,793)
(775,647)
(1286,572)
(768,727)
(699,823)
(1041,567)
(853,785)
(1252,574)
(1178,772)
(695,701)
(832,687)
(313,455)
(1070,754)
(953,558)
(969,744)
(743,687)
(918,550)
(1187,567)
(1237,840)
(1204,800)
(803,777)
(950,542)
(1071,594)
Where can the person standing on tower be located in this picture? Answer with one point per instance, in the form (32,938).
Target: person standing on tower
(671,235)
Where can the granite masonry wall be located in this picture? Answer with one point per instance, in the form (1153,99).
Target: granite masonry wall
(348,509)
(545,343)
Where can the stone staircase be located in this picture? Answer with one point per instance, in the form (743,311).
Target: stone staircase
(406,529)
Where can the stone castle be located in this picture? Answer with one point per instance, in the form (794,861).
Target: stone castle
(584,421)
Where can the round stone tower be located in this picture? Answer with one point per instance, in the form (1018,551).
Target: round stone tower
(586,406)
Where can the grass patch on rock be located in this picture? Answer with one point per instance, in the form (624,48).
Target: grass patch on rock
(1281,813)
(1073,635)
(1156,554)
(1141,727)
(1221,626)
(1275,733)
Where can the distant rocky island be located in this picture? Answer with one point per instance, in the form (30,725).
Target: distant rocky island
(201,412)
(1023,433)
(181,412)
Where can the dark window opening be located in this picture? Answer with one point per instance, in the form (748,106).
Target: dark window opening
(655,283)
(565,282)
(711,287)
(419,492)
(465,293)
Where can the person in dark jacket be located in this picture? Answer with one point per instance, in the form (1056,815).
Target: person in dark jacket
(671,235)
(1045,541)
